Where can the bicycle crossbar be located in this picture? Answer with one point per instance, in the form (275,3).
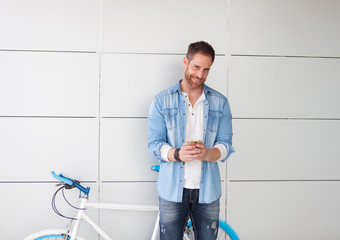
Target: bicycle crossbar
(122,207)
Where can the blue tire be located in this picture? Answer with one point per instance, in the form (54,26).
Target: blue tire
(225,226)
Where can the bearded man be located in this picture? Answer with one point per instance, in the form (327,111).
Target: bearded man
(189,132)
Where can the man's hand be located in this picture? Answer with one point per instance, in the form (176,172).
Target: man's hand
(195,151)
(192,151)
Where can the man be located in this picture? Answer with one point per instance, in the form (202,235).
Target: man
(189,131)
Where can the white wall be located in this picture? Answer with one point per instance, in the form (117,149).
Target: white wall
(283,182)
(77,78)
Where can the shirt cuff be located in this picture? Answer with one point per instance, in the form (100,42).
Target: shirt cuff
(164,152)
(223,151)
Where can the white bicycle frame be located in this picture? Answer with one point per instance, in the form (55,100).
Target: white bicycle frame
(84,205)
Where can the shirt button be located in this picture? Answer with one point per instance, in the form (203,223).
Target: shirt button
(201,181)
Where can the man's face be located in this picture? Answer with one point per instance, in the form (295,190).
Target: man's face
(197,69)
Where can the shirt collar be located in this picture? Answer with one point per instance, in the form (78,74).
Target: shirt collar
(200,99)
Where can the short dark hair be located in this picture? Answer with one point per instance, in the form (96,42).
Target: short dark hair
(200,47)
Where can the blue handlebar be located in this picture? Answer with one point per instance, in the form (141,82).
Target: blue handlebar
(155,168)
(76,184)
(61,178)
(71,182)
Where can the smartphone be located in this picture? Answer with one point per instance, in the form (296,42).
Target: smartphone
(194,142)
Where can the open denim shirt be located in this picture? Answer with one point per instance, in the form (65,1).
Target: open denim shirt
(166,124)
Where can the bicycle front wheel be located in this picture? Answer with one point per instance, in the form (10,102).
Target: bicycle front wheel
(51,234)
(224,232)
(228,230)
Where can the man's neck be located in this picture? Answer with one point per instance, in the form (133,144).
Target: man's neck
(193,93)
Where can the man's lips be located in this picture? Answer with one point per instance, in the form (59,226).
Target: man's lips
(196,80)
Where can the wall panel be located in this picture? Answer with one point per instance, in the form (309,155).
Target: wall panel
(49,84)
(284,210)
(293,28)
(162,27)
(285,149)
(270,87)
(50,25)
(135,79)
(124,154)
(32,147)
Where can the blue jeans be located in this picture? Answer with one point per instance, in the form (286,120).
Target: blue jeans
(174,217)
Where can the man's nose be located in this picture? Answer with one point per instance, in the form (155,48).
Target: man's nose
(200,73)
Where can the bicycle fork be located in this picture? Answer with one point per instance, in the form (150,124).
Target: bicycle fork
(155,229)
(75,228)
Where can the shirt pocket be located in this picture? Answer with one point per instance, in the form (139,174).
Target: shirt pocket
(213,120)
(170,115)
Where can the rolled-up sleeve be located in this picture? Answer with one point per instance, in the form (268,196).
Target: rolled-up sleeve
(225,132)
(156,130)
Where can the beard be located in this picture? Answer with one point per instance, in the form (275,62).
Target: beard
(193,80)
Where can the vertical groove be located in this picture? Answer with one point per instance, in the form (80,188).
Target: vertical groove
(99,105)
(228,68)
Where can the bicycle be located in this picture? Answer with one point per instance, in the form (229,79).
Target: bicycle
(71,233)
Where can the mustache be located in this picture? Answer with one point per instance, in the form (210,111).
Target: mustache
(194,76)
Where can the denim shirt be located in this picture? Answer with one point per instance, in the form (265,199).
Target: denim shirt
(166,124)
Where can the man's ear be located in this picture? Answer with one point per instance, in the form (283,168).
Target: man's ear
(185,61)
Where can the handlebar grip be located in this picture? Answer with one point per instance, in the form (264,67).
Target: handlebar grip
(61,178)
(155,168)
